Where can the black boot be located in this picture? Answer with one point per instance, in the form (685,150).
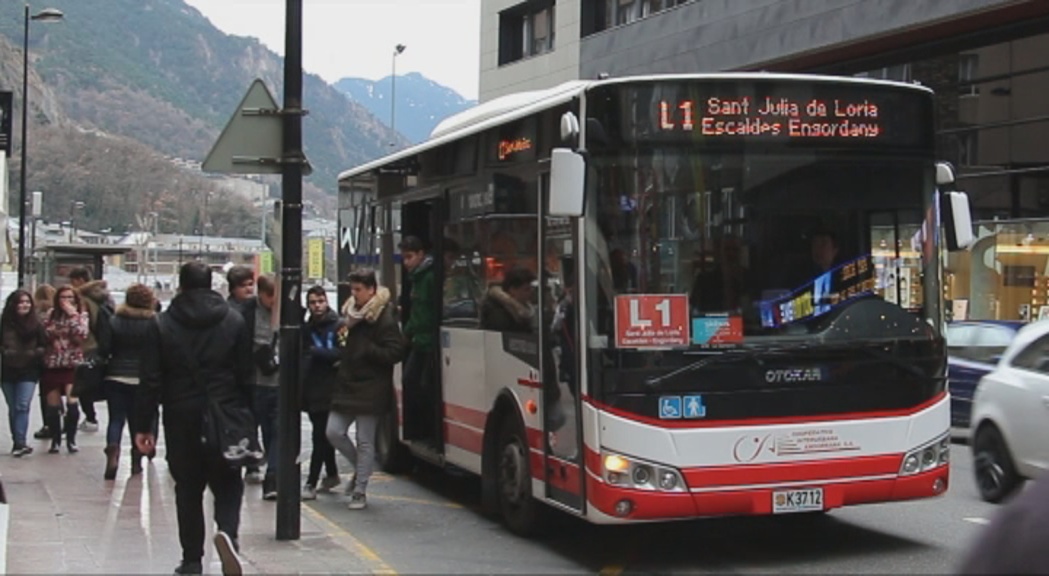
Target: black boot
(71,420)
(136,461)
(112,461)
(54,426)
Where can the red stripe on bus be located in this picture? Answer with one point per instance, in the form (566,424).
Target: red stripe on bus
(646,505)
(740,474)
(708,423)
(460,416)
(465,415)
(466,438)
(530,383)
(563,475)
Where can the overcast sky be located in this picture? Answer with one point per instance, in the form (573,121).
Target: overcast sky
(357,37)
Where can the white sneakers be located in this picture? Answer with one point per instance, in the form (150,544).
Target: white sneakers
(227,552)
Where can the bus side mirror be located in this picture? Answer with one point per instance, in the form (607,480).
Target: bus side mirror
(567,183)
(944,174)
(957,220)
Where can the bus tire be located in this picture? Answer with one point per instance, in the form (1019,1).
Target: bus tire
(393,457)
(519,509)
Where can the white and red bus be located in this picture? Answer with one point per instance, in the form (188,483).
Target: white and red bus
(737,310)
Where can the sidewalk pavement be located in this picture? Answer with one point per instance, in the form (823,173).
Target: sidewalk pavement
(65,519)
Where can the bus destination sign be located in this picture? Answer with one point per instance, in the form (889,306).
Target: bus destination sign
(788,112)
(784,117)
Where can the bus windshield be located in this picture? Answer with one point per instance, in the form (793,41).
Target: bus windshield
(758,246)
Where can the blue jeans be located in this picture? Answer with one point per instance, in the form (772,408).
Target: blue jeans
(266,399)
(19,395)
(120,400)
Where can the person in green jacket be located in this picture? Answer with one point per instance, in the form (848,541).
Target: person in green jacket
(420,329)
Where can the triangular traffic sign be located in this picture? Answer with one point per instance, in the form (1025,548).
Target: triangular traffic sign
(252,141)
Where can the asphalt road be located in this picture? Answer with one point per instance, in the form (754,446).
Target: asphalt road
(429,521)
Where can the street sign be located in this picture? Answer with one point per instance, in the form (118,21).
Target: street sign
(252,142)
(6,112)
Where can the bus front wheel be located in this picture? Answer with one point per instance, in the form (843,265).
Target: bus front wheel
(514,480)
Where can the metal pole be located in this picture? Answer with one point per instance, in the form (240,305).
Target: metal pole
(22,176)
(393,101)
(289,424)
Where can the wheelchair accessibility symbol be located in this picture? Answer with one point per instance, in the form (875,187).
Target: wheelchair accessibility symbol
(670,407)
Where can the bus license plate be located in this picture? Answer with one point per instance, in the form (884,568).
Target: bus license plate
(803,500)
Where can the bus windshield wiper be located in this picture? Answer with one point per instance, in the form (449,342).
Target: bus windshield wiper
(722,357)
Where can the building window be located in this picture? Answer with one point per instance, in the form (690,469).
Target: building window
(526,30)
(598,15)
(967,72)
(967,148)
(628,11)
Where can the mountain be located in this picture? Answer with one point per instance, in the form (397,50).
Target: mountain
(157,76)
(421,102)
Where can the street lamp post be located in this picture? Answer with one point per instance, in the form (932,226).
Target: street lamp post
(36,210)
(45,15)
(73,207)
(156,245)
(397,51)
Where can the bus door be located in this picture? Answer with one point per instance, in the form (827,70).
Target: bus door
(422,395)
(560,358)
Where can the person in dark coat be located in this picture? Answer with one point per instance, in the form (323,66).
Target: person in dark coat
(128,328)
(371,344)
(241,282)
(1014,541)
(22,345)
(321,357)
(199,324)
(508,307)
(99,305)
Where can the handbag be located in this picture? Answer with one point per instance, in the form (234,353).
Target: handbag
(266,359)
(88,377)
(228,428)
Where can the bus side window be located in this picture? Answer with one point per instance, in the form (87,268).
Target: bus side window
(462,276)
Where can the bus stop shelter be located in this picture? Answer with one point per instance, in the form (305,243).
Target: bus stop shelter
(53,263)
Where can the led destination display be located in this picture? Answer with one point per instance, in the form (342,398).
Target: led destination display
(772,112)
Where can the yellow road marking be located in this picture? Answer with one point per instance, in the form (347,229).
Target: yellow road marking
(343,538)
(414,500)
(612,570)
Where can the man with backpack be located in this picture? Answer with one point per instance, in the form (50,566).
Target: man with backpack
(198,351)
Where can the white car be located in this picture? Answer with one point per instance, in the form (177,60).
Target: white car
(1010,416)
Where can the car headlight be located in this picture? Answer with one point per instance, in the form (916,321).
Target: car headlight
(632,473)
(926,457)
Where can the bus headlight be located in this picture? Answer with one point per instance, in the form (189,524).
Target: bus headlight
(632,473)
(927,457)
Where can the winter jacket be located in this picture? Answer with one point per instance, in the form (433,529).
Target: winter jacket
(99,303)
(22,354)
(246,309)
(1014,541)
(201,323)
(321,356)
(499,311)
(369,348)
(130,329)
(65,340)
(421,327)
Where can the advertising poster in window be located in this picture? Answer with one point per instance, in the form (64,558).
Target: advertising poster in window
(903,281)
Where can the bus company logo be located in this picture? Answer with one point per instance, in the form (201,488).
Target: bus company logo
(795,375)
(752,447)
(509,147)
